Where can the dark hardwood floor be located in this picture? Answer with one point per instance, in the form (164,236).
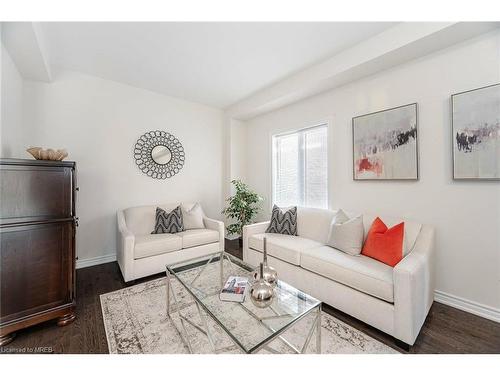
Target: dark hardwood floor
(446,330)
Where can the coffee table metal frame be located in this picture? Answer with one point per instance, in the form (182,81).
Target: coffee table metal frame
(204,327)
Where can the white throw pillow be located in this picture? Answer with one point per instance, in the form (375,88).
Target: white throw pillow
(340,217)
(192,217)
(346,234)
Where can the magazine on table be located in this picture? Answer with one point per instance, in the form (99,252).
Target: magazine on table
(234,289)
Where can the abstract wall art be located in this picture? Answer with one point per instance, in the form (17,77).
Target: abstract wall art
(476,133)
(385,144)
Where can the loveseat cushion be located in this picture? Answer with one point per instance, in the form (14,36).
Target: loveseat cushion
(141,220)
(197,237)
(358,272)
(281,246)
(168,222)
(192,216)
(155,244)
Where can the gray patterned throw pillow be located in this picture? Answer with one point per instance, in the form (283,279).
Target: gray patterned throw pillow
(283,222)
(168,222)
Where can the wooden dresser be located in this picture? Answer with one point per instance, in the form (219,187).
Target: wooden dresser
(37,243)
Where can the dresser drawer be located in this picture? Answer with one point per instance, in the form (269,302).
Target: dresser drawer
(30,193)
(36,268)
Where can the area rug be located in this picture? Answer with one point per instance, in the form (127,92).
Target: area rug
(135,322)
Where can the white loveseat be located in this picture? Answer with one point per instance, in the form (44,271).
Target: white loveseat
(141,253)
(394,300)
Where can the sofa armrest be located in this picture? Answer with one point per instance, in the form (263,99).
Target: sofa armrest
(125,243)
(414,287)
(218,226)
(250,230)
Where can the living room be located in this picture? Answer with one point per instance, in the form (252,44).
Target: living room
(250,187)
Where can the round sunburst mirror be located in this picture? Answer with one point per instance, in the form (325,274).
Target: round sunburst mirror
(159,154)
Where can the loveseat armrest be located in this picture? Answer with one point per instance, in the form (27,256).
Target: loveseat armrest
(125,243)
(218,226)
(414,287)
(250,230)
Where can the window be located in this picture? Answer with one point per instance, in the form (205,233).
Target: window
(300,168)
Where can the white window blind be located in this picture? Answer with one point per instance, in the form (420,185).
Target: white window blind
(300,168)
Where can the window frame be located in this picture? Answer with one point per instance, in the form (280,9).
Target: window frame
(291,130)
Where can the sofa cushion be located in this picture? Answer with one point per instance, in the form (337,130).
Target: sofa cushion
(314,223)
(385,244)
(197,237)
(411,230)
(147,245)
(358,272)
(281,246)
(283,221)
(346,234)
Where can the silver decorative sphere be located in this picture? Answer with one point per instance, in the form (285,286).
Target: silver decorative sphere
(261,292)
(269,274)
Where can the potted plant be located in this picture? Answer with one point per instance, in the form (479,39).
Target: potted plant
(242,208)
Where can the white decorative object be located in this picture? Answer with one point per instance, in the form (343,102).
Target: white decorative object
(346,234)
(49,154)
(192,216)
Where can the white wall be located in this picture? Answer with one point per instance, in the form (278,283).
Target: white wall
(235,158)
(12,132)
(98,122)
(238,150)
(466,215)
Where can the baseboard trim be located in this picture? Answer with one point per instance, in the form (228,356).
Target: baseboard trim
(463,304)
(83,263)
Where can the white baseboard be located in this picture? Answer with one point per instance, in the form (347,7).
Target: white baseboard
(463,304)
(83,263)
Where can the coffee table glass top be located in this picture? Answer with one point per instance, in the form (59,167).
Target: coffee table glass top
(203,279)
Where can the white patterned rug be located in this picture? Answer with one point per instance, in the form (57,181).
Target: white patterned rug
(135,321)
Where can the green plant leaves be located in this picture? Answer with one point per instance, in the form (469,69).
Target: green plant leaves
(242,207)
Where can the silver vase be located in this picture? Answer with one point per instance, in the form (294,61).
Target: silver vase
(261,292)
(269,273)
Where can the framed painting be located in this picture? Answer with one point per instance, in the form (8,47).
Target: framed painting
(475,123)
(385,144)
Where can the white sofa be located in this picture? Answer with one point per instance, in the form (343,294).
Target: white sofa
(141,253)
(394,300)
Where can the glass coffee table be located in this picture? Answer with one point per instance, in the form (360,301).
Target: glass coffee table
(251,328)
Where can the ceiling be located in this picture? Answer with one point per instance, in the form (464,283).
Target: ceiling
(216,64)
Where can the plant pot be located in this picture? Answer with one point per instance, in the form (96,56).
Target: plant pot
(240,242)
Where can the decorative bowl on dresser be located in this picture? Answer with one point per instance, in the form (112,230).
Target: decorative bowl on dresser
(37,243)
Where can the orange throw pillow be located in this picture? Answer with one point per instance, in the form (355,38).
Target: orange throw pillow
(384,244)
